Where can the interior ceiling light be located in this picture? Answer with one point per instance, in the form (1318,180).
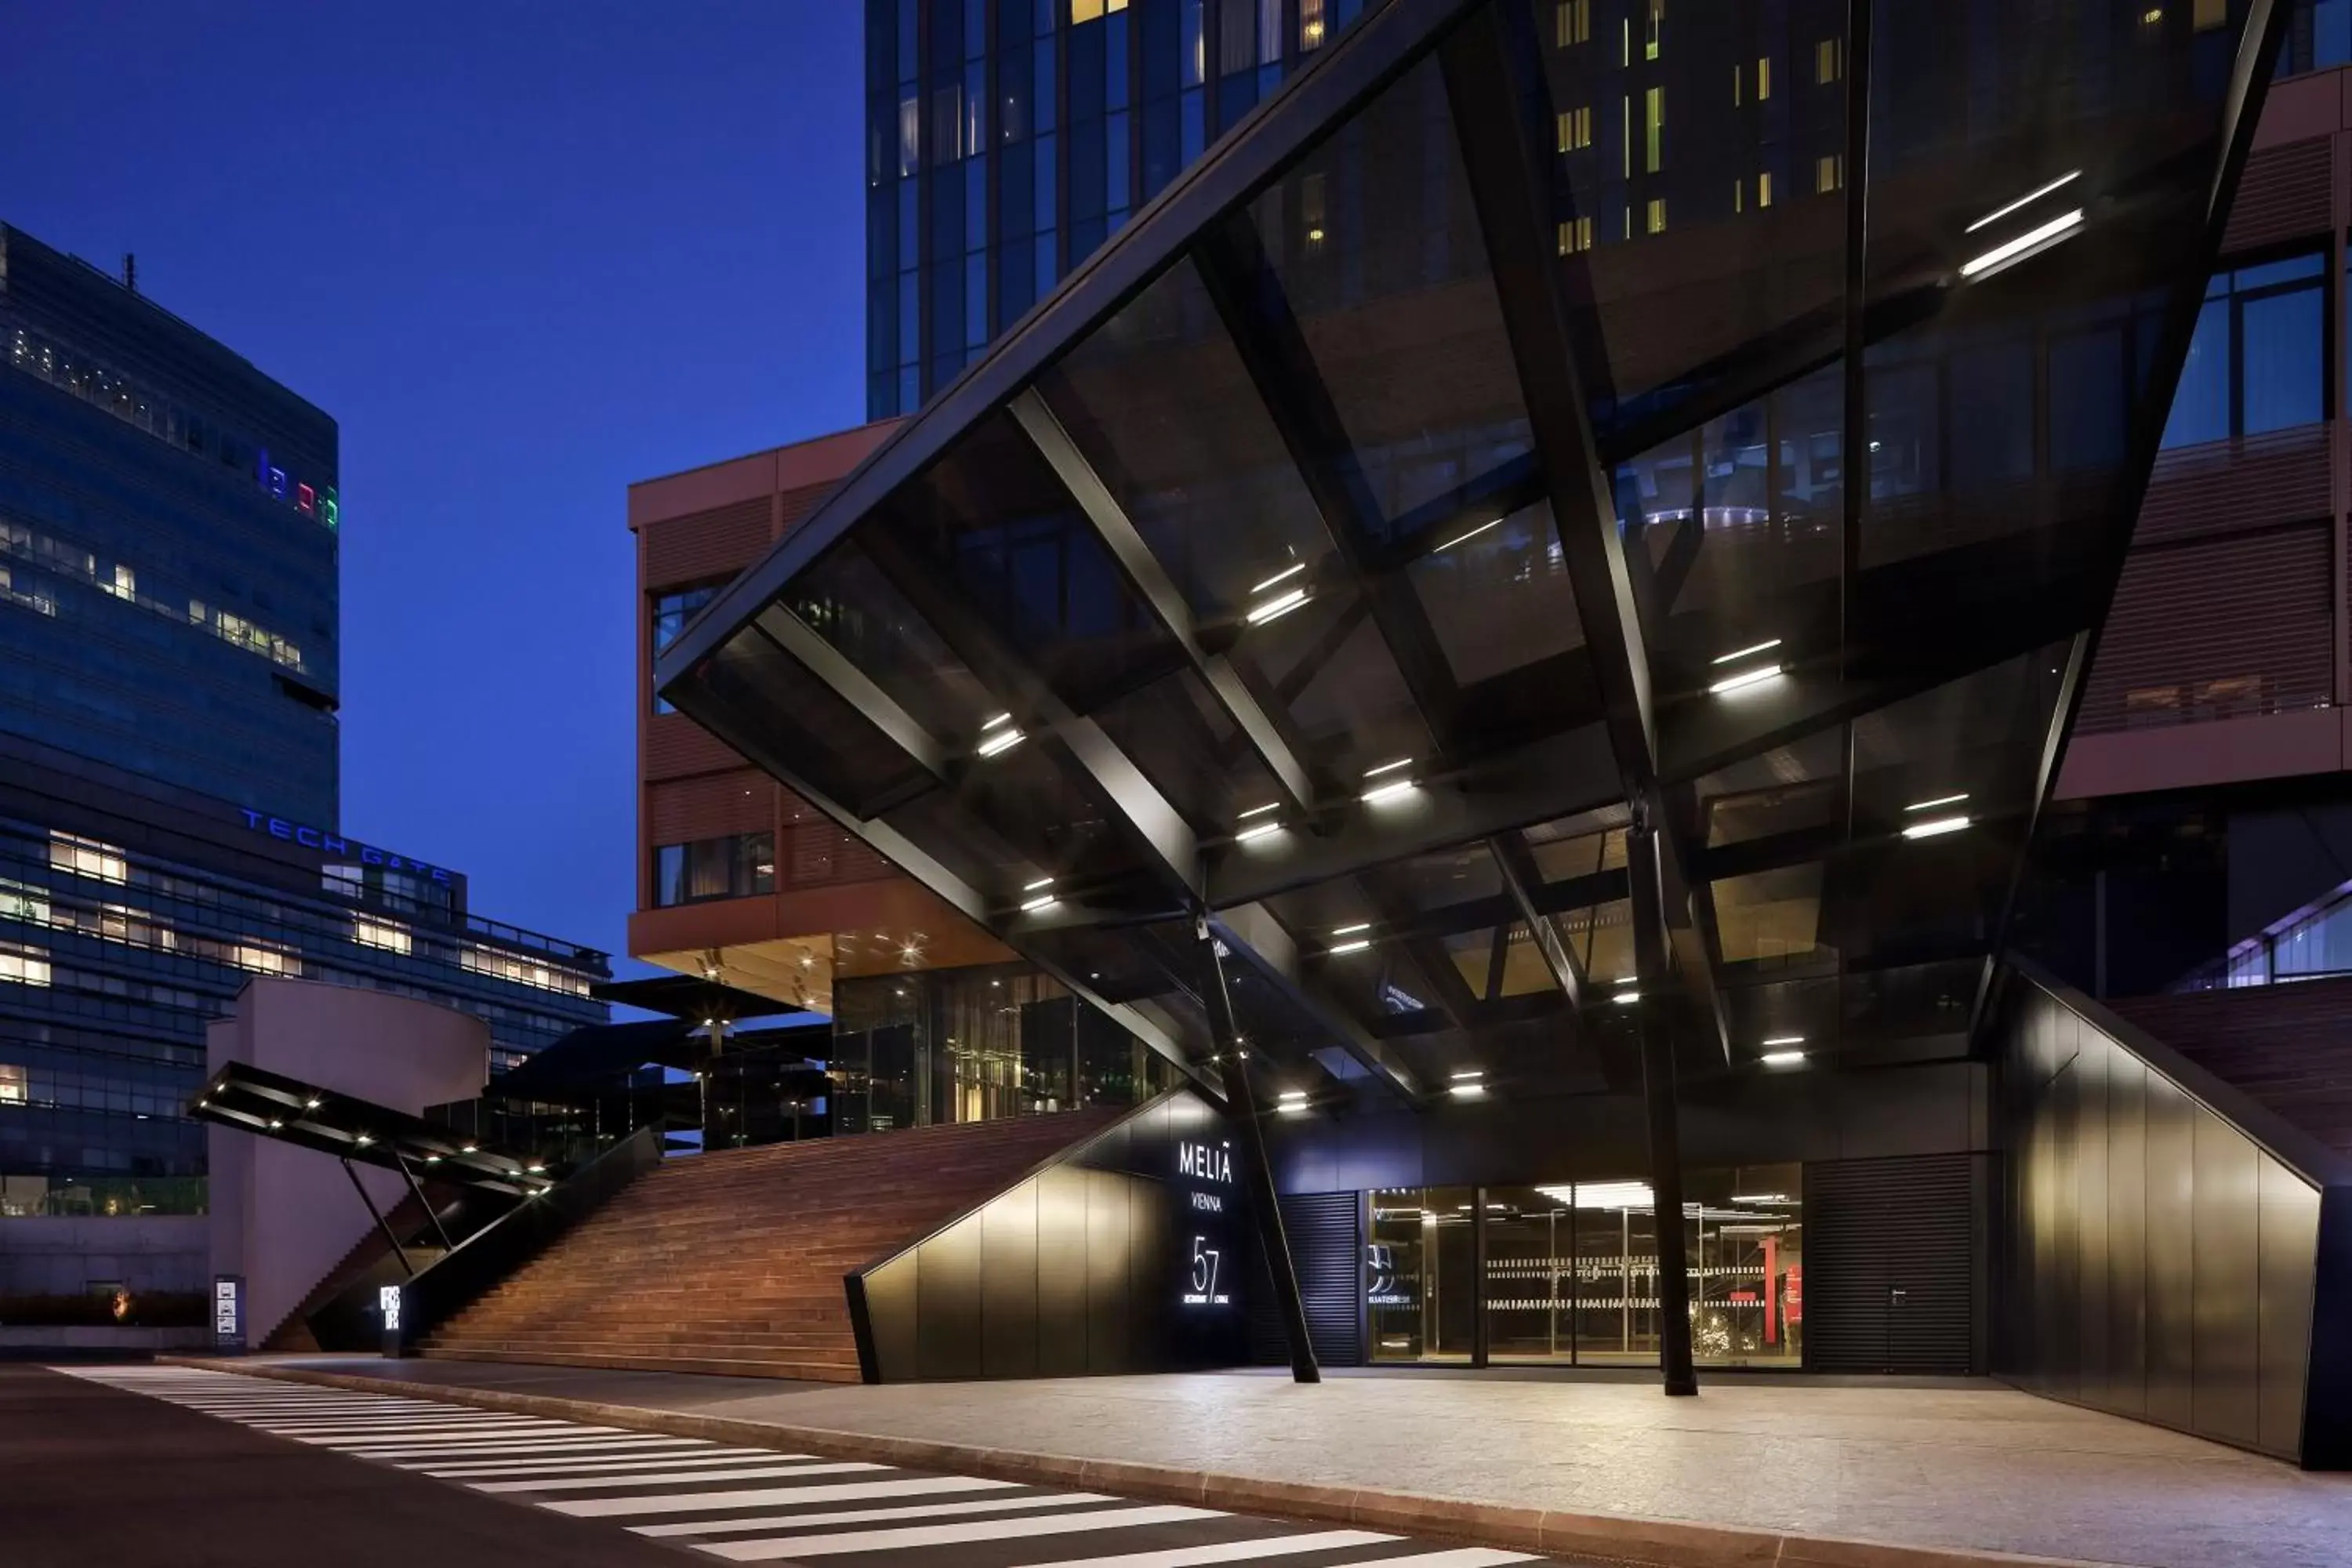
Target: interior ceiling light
(1738,652)
(1783,1058)
(1041,882)
(1762,1198)
(2031,242)
(1935,828)
(1468,1073)
(1350,931)
(1784,1040)
(1280,605)
(1259,831)
(1002,741)
(1259,810)
(311,1103)
(1042,902)
(1602,1196)
(1466,537)
(1939,800)
(1388,767)
(1000,719)
(1341,949)
(1469,1091)
(363,1140)
(2026,200)
(1293,570)
(1747,678)
(1631,993)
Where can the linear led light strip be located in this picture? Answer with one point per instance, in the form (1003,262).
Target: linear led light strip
(1766,646)
(1042,896)
(1781,1051)
(1259,829)
(1468,1084)
(1394,788)
(1001,735)
(2029,198)
(2015,250)
(1357,941)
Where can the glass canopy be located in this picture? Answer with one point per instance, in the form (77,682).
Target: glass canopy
(1424,543)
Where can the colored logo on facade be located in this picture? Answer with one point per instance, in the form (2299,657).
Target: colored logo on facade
(330,843)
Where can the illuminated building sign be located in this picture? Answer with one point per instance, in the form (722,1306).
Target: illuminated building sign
(328,842)
(1201,1281)
(1205,1162)
(321,504)
(387,1300)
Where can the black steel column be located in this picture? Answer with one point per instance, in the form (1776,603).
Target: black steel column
(1241,1103)
(1654,1025)
(422,1200)
(377,1215)
(1479,1273)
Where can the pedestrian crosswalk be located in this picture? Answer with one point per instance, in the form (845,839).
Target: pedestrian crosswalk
(757,1505)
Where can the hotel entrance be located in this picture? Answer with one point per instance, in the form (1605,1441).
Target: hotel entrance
(1567,1273)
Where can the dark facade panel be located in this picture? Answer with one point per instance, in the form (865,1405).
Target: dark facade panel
(2162,1256)
(1891,1264)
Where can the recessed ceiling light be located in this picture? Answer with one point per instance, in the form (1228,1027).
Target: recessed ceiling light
(1350,931)
(1466,1074)
(1293,570)
(1040,882)
(1002,741)
(1281,605)
(1765,647)
(1746,679)
(993,723)
(1939,800)
(1941,825)
(1470,1090)
(1347,947)
(1042,902)
(1783,1058)
(1388,767)
(1784,1040)
(1388,792)
(1260,831)
(1624,998)
(1259,810)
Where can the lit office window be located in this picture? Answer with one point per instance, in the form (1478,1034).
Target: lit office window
(389,935)
(2258,362)
(522,971)
(1572,23)
(12,1085)
(261,959)
(671,611)
(88,857)
(23,901)
(24,965)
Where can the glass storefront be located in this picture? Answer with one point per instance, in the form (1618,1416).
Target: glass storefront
(1570,1271)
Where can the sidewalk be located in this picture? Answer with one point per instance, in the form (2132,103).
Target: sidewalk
(1754,1471)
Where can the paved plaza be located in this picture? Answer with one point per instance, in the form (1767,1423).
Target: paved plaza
(1924,1463)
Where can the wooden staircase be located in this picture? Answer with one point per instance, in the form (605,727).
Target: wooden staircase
(732,1261)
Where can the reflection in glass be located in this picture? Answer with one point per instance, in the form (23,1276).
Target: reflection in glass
(1421,1284)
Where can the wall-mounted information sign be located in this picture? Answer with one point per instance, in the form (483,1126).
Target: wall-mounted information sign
(228,1311)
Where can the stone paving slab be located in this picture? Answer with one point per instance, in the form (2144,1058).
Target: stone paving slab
(1753,1471)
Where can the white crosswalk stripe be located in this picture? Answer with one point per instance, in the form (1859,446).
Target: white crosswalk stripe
(687,1491)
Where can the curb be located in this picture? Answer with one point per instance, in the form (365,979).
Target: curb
(1621,1538)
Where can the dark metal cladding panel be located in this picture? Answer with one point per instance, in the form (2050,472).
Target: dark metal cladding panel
(2126,1377)
(947,1339)
(2290,1244)
(2171,1257)
(891,1292)
(1151,1290)
(1326,1248)
(1110,1340)
(1008,1286)
(1061,1271)
(1890,1265)
(2228,1271)
(2091,1190)
(2062,1349)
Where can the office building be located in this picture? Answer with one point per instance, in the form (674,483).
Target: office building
(1007,139)
(169,803)
(168,543)
(1405,611)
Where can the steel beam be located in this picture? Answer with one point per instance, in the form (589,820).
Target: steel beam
(1265,1208)
(376,1215)
(1652,1022)
(1521,878)
(1126,546)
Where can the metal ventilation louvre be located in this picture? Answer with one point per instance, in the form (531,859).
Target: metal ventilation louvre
(2282,190)
(1890,1265)
(1325,1234)
(2216,629)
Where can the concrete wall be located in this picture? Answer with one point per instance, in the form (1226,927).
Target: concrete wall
(283,1215)
(41,1256)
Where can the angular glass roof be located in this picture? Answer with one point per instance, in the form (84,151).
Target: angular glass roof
(1425,540)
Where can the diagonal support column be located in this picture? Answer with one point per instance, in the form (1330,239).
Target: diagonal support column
(422,1200)
(1265,1212)
(376,1215)
(1651,1020)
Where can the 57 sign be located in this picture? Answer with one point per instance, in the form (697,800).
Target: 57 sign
(1203,1291)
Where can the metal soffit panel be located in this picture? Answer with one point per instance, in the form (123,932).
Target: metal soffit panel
(1518,535)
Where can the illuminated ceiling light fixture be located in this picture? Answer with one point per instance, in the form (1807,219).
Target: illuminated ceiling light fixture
(2031,242)
(2028,199)
(1738,652)
(1259,831)
(1339,949)
(1041,882)
(1004,740)
(1291,1102)
(1762,1198)
(363,1140)
(1936,829)
(1350,931)
(1280,605)
(1260,810)
(1466,537)
(1784,1040)
(1393,787)
(1287,572)
(1001,718)
(469,1149)
(1783,1058)
(1939,800)
(1466,1074)
(1042,902)
(1627,997)
(1470,1090)
(1388,767)
(274,1124)
(311,1103)
(1748,678)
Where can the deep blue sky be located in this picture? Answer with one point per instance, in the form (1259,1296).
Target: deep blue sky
(525,252)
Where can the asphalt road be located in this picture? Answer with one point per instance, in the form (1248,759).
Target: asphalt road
(185,1468)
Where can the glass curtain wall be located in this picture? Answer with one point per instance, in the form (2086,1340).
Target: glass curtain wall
(1570,1271)
(978,1045)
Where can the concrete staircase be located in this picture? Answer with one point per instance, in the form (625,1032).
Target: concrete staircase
(732,1262)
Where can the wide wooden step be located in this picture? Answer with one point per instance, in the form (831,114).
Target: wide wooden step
(732,1262)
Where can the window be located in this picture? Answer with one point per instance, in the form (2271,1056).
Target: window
(389,935)
(1653,125)
(522,971)
(736,867)
(671,611)
(1654,215)
(1763,78)
(88,857)
(1575,236)
(1825,61)
(24,965)
(1575,129)
(2257,362)
(12,1086)
(1826,173)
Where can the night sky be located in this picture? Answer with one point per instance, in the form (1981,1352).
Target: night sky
(525,252)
